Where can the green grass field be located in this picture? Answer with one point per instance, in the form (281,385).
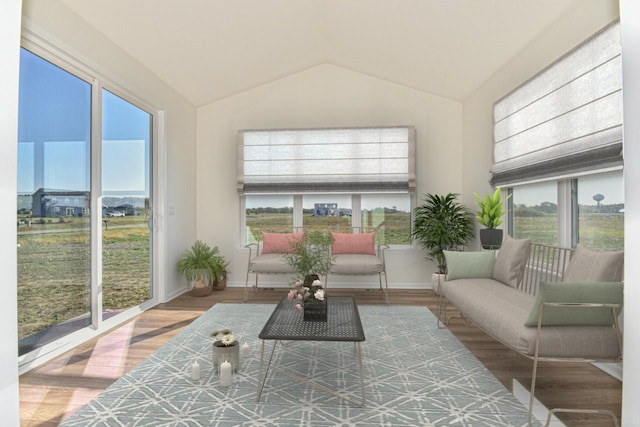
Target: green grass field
(54,268)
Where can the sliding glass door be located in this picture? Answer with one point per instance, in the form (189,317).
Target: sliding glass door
(54,235)
(84,203)
(126,204)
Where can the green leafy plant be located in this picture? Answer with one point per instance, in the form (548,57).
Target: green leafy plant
(202,258)
(490,209)
(441,223)
(310,255)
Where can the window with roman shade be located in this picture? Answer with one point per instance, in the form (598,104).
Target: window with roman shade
(566,120)
(337,160)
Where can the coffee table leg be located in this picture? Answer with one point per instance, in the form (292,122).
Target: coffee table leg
(359,352)
(262,379)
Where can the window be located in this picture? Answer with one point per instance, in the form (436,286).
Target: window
(78,266)
(272,214)
(534,210)
(346,180)
(54,262)
(600,211)
(558,148)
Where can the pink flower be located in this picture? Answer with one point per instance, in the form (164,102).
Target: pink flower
(298,307)
(291,295)
(298,283)
(299,297)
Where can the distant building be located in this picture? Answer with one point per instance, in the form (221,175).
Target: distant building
(54,203)
(325,209)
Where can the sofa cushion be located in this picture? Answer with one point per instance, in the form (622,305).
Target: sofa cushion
(576,292)
(356,264)
(270,264)
(463,265)
(345,243)
(587,265)
(279,243)
(511,260)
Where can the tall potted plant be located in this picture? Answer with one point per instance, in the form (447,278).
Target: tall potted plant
(202,266)
(489,214)
(441,223)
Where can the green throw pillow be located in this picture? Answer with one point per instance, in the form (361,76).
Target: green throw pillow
(465,265)
(576,292)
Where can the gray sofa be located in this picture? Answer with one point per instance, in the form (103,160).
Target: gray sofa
(544,302)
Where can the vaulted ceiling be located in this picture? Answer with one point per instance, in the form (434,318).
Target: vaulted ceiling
(211,49)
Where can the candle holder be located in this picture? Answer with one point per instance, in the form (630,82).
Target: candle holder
(230,353)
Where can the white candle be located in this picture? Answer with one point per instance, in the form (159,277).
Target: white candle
(195,371)
(225,374)
(246,351)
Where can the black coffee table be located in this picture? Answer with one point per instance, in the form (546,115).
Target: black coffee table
(286,324)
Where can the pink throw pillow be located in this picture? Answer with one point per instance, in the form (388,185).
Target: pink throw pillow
(279,243)
(344,243)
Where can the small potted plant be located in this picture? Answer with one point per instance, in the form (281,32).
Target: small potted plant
(311,298)
(202,266)
(441,223)
(489,214)
(225,348)
(310,257)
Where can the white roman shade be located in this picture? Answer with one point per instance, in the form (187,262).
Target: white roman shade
(567,119)
(344,160)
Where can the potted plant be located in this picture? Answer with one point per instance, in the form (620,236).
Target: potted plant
(310,257)
(441,223)
(489,214)
(202,266)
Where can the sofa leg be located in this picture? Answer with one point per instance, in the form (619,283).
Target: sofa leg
(386,286)
(441,312)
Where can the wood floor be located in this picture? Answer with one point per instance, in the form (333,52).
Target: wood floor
(50,393)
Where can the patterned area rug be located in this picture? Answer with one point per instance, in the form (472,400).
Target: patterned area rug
(415,375)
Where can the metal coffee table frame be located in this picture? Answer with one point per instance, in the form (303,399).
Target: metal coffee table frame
(286,324)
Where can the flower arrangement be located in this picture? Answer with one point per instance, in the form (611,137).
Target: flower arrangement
(304,293)
(226,340)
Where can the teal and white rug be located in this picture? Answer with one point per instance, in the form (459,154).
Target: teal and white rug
(415,375)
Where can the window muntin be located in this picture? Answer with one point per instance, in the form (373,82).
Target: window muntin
(600,219)
(535,212)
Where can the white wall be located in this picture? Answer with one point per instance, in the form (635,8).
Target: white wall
(323,96)
(630,17)
(10,60)
(55,23)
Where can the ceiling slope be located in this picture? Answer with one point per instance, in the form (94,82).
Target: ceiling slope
(211,49)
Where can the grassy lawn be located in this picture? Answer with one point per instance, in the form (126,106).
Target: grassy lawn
(54,265)
(54,270)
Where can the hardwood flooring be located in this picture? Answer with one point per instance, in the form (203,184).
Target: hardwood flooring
(50,393)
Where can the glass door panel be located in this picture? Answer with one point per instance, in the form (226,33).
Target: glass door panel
(126,205)
(53,227)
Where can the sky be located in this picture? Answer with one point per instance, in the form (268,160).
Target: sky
(54,130)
